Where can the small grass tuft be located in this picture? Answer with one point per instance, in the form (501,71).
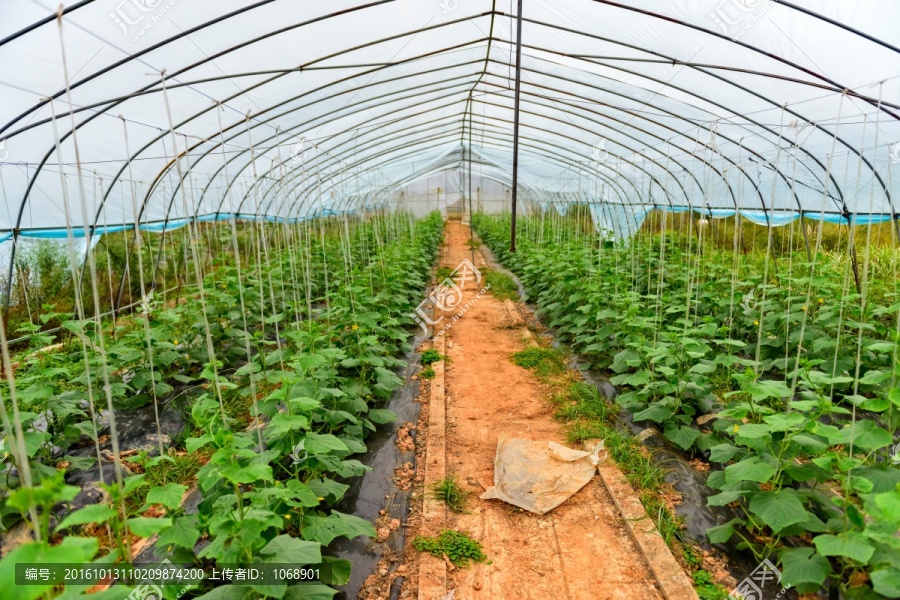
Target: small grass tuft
(451,492)
(502,285)
(432,356)
(427,373)
(706,587)
(443,273)
(459,547)
(544,361)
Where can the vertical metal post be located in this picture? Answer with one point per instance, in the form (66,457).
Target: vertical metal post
(515,174)
(469,194)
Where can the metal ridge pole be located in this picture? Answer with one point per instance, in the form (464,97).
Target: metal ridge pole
(515,173)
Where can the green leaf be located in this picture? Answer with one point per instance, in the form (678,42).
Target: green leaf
(783,421)
(723,498)
(146,526)
(886,582)
(96,513)
(168,495)
(340,570)
(380,416)
(288,549)
(682,435)
(194,444)
(248,474)
(318,443)
(722,453)
(884,478)
(851,544)
(749,469)
(70,550)
(753,431)
(865,434)
(183,533)
(324,529)
(804,569)
(655,412)
(779,509)
(722,533)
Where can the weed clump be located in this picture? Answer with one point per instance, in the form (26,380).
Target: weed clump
(427,373)
(451,492)
(460,549)
(431,356)
(443,273)
(544,361)
(502,286)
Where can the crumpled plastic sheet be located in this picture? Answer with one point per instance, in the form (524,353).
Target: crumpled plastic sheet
(539,476)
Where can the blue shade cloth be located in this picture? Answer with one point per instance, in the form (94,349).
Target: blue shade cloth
(858,219)
(5,236)
(218,217)
(716,213)
(78,232)
(163,226)
(774,219)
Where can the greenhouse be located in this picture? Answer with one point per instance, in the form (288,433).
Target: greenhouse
(449,300)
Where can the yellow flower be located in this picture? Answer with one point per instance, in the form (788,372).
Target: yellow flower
(735,428)
(320,499)
(821,300)
(355,327)
(804,307)
(756,322)
(287,516)
(175,342)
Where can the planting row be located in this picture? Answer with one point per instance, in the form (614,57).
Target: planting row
(780,374)
(284,354)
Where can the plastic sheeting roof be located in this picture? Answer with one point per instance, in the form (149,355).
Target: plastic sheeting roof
(287,109)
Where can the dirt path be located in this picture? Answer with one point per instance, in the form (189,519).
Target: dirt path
(581,550)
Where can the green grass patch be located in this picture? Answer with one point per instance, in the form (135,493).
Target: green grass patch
(544,361)
(461,549)
(432,356)
(443,273)
(427,373)
(591,417)
(502,286)
(451,492)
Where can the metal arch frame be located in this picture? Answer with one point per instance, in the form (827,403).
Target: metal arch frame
(223,17)
(679,133)
(547,154)
(493,13)
(469,18)
(821,77)
(696,95)
(556,157)
(690,93)
(548,143)
(243,91)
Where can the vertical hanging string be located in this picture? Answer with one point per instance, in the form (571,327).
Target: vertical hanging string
(864,287)
(796,371)
(845,291)
(201,291)
(89,256)
(146,307)
(264,245)
(769,249)
(232,221)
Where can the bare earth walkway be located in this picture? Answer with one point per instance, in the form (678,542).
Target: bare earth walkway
(583,549)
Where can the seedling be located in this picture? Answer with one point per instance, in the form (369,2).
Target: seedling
(459,548)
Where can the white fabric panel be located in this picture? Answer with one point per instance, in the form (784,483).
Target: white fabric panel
(379,95)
